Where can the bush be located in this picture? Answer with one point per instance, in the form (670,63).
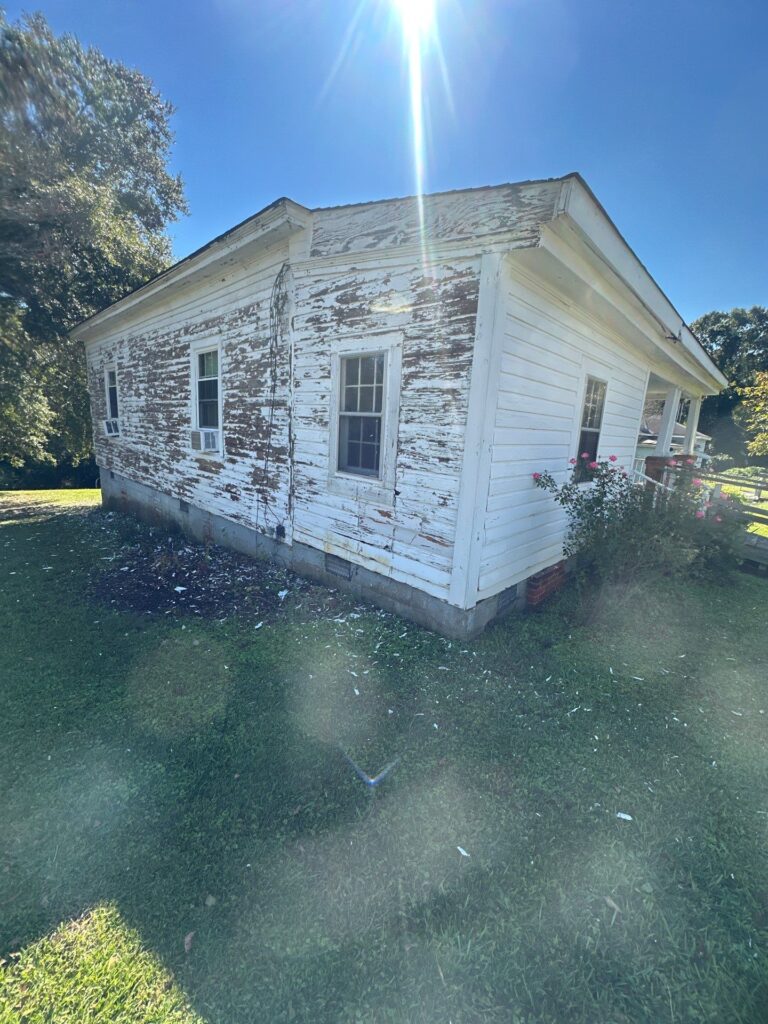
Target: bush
(623,533)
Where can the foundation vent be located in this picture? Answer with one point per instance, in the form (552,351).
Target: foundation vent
(183,505)
(338,567)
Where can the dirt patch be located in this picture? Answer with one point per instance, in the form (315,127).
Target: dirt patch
(155,572)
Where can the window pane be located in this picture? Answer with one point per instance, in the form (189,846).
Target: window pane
(366,400)
(360,444)
(588,442)
(208,390)
(112,378)
(378,397)
(350,399)
(208,364)
(380,369)
(113,413)
(594,400)
(352,369)
(208,414)
(367,369)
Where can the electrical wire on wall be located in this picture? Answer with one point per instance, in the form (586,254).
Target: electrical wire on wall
(278,307)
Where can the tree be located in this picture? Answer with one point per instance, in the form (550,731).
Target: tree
(85,197)
(738,343)
(755,414)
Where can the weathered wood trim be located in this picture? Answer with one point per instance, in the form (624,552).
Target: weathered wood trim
(481,411)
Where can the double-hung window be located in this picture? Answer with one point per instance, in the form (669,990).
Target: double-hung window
(112,422)
(361,414)
(206,399)
(208,389)
(591,424)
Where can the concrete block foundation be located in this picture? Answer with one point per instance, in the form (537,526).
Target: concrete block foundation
(152,506)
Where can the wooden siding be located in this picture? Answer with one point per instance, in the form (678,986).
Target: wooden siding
(483,213)
(249,482)
(547,351)
(407,532)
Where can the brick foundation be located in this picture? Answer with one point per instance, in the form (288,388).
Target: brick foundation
(543,584)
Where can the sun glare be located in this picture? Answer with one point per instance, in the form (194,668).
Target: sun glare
(418,25)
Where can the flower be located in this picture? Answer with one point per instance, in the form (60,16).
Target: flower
(537,476)
(696,482)
(613,458)
(671,462)
(573,461)
(592,465)
(700,514)
(586,455)
(690,461)
(718,519)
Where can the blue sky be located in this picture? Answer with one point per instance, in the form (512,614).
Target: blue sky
(660,105)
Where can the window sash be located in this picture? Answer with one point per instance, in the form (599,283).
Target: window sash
(207,388)
(112,400)
(361,414)
(592,412)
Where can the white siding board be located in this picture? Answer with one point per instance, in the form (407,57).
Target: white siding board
(548,351)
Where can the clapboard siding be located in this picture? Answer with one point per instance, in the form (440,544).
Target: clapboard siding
(506,210)
(249,482)
(408,533)
(548,350)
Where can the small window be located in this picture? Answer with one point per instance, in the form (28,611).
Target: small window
(208,389)
(361,413)
(112,394)
(591,422)
(112,422)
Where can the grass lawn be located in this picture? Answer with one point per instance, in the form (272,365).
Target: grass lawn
(182,840)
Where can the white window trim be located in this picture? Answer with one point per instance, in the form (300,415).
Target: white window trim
(112,368)
(378,488)
(195,349)
(596,373)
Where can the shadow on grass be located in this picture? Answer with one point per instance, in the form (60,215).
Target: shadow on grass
(191,777)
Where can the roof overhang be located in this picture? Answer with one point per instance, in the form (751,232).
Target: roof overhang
(276,223)
(586,242)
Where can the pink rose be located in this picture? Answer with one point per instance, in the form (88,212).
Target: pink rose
(613,458)
(690,461)
(671,462)
(573,461)
(586,455)
(718,519)
(696,482)
(592,465)
(699,514)
(537,476)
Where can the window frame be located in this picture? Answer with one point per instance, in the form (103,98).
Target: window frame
(378,487)
(111,368)
(592,373)
(196,349)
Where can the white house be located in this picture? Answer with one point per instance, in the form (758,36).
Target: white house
(363,392)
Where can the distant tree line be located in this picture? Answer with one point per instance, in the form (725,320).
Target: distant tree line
(737,418)
(85,199)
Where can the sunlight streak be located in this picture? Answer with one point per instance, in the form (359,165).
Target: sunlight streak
(418,25)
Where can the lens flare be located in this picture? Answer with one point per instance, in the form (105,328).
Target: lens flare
(419,26)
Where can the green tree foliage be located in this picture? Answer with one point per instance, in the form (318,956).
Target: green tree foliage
(755,414)
(738,342)
(85,197)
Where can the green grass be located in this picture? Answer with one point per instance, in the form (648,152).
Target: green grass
(167,777)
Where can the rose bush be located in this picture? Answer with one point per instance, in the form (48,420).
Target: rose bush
(621,532)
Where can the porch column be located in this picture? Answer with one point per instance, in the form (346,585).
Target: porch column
(668,418)
(694,409)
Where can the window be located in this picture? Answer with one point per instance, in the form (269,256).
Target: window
(591,421)
(208,389)
(112,422)
(361,414)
